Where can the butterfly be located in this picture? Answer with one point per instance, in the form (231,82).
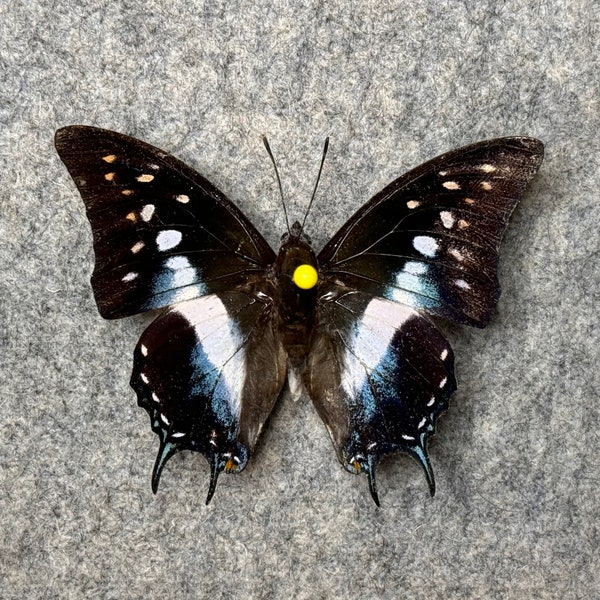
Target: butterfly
(352,324)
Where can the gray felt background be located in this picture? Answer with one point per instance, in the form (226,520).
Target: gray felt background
(393,84)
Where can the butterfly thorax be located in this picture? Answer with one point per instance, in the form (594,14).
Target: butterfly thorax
(295,305)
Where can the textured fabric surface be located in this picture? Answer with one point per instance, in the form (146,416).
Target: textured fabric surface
(393,83)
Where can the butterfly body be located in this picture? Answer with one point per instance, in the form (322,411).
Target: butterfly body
(350,323)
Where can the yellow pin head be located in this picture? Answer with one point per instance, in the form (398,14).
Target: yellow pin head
(305,277)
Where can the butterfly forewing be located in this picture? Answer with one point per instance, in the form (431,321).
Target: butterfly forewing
(430,239)
(162,233)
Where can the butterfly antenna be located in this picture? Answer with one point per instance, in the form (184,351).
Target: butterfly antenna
(325,148)
(266,143)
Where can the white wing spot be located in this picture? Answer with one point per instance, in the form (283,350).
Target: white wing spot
(443,382)
(487,168)
(461,283)
(177,434)
(154,167)
(456,254)
(178,262)
(164,419)
(426,245)
(144,351)
(167,239)
(130,276)
(109,158)
(147,212)
(155,398)
(422,422)
(183,198)
(415,268)
(486,185)
(444,354)
(137,247)
(143,376)
(413,204)
(443,173)
(431,401)
(447,219)
(451,185)
(145,178)
(408,438)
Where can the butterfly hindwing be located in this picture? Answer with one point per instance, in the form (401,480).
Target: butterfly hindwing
(209,371)
(162,232)
(430,239)
(379,375)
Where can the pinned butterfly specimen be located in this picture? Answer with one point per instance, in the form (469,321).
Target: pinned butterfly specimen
(351,323)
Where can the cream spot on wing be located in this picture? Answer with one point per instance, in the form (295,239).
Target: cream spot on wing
(167,239)
(443,173)
(451,185)
(145,178)
(126,192)
(461,283)
(486,185)
(131,217)
(462,224)
(183,198)
(109,158)
(147,212)
(130,276)
(137,247)
(426,245)
(456,254)
(487,168)
(447,219)
(110,176)
(469,201)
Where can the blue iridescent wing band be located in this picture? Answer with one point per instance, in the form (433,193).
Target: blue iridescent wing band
(162,232)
